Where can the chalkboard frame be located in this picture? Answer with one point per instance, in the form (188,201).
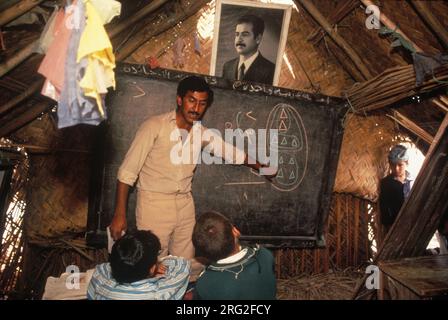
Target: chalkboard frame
(96,235)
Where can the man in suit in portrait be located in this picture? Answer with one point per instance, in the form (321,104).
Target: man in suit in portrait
(250,65)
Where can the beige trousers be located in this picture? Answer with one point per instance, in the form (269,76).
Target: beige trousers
(171,217)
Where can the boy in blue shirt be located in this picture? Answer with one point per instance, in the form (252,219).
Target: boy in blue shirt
(134,272)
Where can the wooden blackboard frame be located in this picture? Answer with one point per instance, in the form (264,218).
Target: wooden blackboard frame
(97,220)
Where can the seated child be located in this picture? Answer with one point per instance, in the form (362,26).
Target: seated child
(134,272)
(234,272)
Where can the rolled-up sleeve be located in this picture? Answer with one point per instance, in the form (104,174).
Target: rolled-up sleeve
(138,152)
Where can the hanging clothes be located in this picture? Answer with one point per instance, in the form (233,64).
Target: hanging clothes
(197,44)
(54,61)
(47,35)
(425,64)
(97,48)
(79,61)
(178,55)
(73,106)
(107,9)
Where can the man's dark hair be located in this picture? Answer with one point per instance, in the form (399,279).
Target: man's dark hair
(256,22)
(194,83)
(212,236)
(133,255)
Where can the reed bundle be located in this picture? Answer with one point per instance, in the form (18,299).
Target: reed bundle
(391,86)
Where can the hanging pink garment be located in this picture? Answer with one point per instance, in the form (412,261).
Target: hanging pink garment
(53,65)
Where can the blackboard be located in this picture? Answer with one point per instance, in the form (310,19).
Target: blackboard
(291,210)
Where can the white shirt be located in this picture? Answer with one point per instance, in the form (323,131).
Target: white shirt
(248,62)
(234,258)
(149,156)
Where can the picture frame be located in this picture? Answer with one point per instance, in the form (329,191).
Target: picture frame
(230,48)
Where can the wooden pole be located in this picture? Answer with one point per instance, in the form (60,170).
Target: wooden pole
(439,104)
(35,86)
(444,99)
(28,116)
(357,60)
(434,24)
(150,31)
(17,10)
(120,27)
(17,59)
(345,63)
(443,127)
(411,126)
(342,9)
(390,25)
(46,150)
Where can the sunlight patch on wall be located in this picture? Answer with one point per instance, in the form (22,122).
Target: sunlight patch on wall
(206,22)
(291,70)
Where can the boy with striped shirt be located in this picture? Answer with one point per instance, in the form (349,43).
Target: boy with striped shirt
(134,273)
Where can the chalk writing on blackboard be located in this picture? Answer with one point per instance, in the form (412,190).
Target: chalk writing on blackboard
(290,210)
(292,146)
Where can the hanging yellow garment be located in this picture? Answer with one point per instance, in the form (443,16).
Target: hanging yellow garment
(107,9)
(97,48)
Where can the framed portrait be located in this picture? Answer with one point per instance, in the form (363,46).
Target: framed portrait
(249,40)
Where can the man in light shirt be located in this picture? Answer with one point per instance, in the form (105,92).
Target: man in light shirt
(164,201)
(250,65)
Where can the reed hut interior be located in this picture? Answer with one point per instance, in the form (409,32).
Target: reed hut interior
(384,63)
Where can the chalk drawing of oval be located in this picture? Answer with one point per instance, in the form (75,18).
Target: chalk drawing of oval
(292,146)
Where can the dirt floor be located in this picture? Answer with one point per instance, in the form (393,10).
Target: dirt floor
(337,285)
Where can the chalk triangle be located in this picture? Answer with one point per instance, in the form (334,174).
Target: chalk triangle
(294,143)
(282,126)
(284,141)
(283,114)
(291,161)
(274,139)
(280,173)
(280,161)
(292,175)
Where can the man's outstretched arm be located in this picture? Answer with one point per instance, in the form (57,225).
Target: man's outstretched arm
(231,154)
(269,172)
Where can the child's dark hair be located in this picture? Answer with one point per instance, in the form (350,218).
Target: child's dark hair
(212,236)
(133,255)
(195,83)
